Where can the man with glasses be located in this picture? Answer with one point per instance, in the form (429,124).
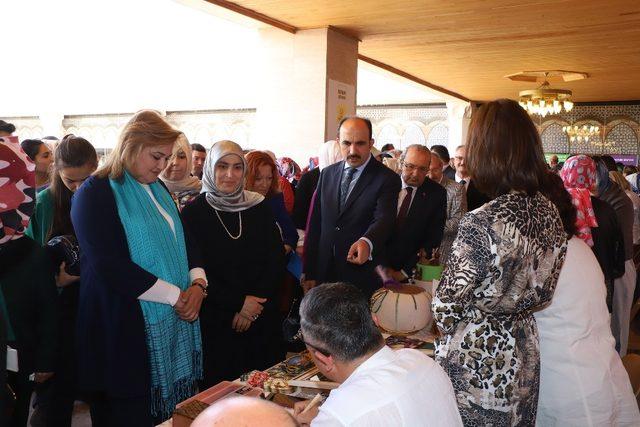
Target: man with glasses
(378,386)
(421,215)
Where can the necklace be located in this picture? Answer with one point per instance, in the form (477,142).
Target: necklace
(225,227)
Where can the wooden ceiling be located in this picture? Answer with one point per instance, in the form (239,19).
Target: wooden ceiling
(468,46)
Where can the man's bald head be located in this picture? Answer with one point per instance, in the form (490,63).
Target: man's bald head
(244,412)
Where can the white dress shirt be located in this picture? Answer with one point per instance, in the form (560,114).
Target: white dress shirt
(392,388)
(163,291)
(466,180)
(356,174)
(403,193)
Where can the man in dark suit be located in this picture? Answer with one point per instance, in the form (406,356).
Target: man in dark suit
(475,198)
(353,215)
(443,153)
(422,212)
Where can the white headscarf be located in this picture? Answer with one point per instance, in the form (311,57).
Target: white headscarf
(240,199)
(187,182)
(329,154)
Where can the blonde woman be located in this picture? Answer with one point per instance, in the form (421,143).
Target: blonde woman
(139,347)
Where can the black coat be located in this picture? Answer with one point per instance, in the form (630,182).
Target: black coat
(449,172)
(252,264)
(422,228)
(370,211)
(111,340)
(304,193)
(30,295)
(608,244)
(475,198)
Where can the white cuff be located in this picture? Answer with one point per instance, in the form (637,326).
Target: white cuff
(162,292)
(198,273)
(370,247)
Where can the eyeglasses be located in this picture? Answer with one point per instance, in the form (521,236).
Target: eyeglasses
(300,337)
(411,167)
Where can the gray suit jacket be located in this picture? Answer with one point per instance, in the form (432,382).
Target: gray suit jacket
(456,208)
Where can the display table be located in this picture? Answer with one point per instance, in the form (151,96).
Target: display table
(297,378)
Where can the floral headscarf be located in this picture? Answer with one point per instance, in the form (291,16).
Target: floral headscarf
(289,169)
(17,189)
(579,177)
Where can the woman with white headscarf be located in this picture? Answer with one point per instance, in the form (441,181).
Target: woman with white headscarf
(177,175)
(244,261)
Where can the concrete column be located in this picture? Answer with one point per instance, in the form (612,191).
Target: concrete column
(458,118)
(295,112)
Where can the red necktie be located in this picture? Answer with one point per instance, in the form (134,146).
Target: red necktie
(404,206)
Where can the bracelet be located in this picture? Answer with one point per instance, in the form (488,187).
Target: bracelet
(201,286)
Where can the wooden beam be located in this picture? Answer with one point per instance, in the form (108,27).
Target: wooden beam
(291,29)
(411,77)
(254,15)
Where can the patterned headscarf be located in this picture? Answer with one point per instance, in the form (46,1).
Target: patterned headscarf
(579,177)
(17,189)
(289,169)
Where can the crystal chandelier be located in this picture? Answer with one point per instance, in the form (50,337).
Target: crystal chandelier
(581,133)
(546,100)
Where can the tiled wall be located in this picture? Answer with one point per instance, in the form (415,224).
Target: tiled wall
(618,124)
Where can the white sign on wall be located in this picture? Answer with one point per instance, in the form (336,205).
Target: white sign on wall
(341,102)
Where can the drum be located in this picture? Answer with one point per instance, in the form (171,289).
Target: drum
(402,310)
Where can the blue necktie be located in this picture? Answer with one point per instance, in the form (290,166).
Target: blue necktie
(347,177)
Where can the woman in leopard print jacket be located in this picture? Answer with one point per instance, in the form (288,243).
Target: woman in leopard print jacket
(505,262)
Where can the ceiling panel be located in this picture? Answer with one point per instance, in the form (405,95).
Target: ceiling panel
(468,46)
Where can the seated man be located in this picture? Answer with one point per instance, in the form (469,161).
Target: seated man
(244,411)
(378,386)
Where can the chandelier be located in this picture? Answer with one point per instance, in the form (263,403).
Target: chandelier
(546,100)
(581,133)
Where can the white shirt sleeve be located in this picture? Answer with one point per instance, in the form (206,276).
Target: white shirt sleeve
(198,273)
(370,247)
(325,419)
(162,292)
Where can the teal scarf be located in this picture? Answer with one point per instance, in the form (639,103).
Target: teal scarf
(175,348)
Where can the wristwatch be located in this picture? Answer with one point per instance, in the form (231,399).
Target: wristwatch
(202,286)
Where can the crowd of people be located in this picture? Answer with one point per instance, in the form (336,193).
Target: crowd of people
(133,281)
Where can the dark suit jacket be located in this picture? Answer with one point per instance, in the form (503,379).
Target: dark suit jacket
(422,228)
(449,172)
(475,198)
(370,211)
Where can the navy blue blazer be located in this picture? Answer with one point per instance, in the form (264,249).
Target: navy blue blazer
(111,341)
(422,228)
(284,221)
(370,211)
